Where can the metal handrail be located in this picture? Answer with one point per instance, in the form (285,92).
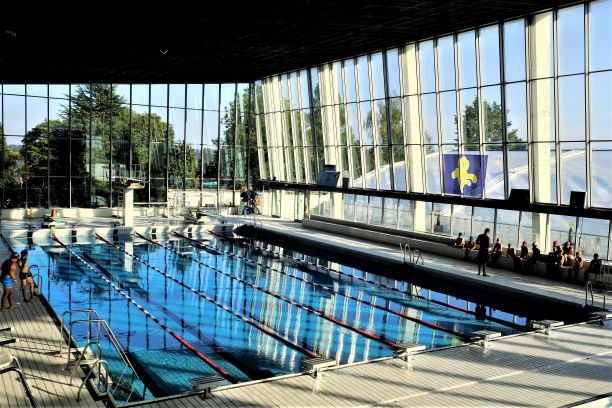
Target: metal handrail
(589,285)
(82,356)
(98,363)
(110,334)
(100,324)
(604,297)
(417,255)
(70,312)
(406,249)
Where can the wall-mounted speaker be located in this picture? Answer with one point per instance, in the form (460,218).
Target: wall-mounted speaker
(519,196)
(577,199)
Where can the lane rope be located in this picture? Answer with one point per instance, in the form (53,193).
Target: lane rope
(267,331)
(434,326)
(299,305)
(199,354)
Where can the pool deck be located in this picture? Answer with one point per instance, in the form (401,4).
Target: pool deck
(458,269)
(43,367)
(572,365)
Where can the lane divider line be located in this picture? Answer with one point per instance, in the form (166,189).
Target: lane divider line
(265,330)
(199,354)
(299,305)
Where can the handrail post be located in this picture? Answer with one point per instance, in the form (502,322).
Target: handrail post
(589,285)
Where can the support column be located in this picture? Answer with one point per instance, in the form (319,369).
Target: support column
(128,207)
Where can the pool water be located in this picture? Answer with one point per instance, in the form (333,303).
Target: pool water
(301,306)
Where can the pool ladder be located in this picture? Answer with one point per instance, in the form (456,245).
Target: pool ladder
(98,366)
(413,256)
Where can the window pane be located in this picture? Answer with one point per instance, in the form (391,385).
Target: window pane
(363,78)
(483,218)
(393,72)
(448,117)
(469,116)
(380,120)
(194,96)
(426,66)
(467,59)
(37,90)
(349,78)
(430,118)
(571,107)
(518,174)
(446,63)
(592,238)
(404,216)
(489,55)
(514,50)
(600,35)
(399,168)
(59,91)
(397,130)
(495,180)
(507,228)
(369,166)
(492,114)
(390,213)
(177,95)
(375,211)
(14,115)
(211,97)
(352,124)
(570,23)
(516,112)
(37,113)
(366,123)
(573,165)
(432,166)
(601,106)
(601,168)
(159,95)
(378,79)
(462,220)
(384,169)
(357,169)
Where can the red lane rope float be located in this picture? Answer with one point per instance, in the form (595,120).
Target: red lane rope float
(299,305)
(491,318)
(208,361)
(214,302)
(365,302)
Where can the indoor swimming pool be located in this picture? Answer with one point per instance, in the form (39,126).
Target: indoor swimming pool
(181,311)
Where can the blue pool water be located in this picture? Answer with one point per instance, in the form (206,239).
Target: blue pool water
(285,303)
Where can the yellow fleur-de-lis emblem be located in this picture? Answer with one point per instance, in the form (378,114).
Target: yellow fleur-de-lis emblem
(465,178)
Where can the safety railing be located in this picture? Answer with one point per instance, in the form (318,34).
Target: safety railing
(604,297)
(97,364)
(412,256)
(101,326)
(589,287)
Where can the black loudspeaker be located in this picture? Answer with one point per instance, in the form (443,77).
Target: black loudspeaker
(345,182)
(577,199)
(519,196)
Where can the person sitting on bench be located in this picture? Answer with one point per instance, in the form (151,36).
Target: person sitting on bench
(469,247)
(459,242)
(496,252)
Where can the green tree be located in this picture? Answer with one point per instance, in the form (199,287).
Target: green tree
(493,129)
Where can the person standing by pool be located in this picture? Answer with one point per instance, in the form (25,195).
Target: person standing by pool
(25,276)
(484,242)
(7,276)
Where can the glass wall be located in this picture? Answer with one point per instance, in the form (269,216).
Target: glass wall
(524,104)
(62,143)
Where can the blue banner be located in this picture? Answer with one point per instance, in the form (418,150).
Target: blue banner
(464,174)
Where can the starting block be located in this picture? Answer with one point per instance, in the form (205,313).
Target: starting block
(405,351)
(207,384)
(484,336)
(545,326)
(600,316)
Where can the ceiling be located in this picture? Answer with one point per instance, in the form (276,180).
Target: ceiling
(231,42)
